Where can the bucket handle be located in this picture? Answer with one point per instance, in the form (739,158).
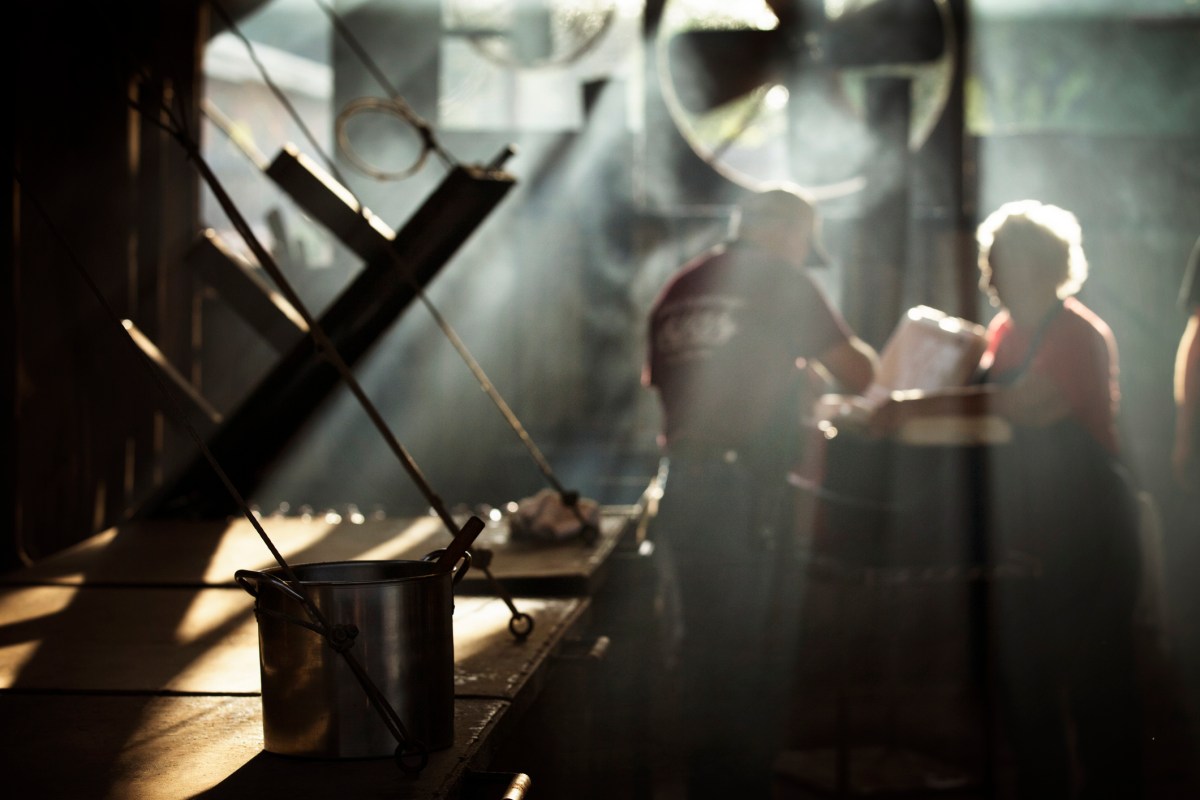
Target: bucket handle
(460,572)
(249,579)
(340,637)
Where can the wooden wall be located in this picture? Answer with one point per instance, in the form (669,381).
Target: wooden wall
(100,186)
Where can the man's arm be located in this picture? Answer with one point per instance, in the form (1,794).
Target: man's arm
(852,363)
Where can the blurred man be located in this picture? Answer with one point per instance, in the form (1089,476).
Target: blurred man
(732,331)
(730,338)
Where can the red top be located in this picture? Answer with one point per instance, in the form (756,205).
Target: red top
(1077,352)
(725,335)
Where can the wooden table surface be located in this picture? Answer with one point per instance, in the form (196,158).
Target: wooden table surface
(154,639)
(156,747)
(129,663)
(207,553)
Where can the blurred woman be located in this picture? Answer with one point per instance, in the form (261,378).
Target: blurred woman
(1058,494)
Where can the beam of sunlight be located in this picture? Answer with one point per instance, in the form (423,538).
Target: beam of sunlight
(26,606)
(208,612)
(419,531)
(207,742)
(480,621)
(86,552)
(229,663)
(240,545)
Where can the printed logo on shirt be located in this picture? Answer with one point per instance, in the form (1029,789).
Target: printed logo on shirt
(696,327)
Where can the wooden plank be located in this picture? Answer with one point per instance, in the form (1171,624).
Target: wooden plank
(569,568)
(233,277)
(150,639)
(164,748)
(490,662)
(123,199)
(130,665)
(331,204)
(207,553)
(141,639)
(200,413)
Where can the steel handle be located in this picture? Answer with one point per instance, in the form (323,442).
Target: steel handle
(249,579)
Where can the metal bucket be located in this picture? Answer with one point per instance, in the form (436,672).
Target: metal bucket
(312,703)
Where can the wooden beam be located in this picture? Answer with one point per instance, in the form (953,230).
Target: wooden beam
(234,278)
(200,412)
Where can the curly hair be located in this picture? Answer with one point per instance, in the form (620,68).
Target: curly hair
(1044,234)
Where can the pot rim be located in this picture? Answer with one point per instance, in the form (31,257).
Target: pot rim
(428,566)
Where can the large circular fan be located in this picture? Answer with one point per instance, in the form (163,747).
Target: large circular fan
(777,90)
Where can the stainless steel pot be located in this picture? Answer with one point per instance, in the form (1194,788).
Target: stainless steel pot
(312,703)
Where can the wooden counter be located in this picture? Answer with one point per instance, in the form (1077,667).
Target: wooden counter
(207,553)
(168,747)
(205,641)
(129,663)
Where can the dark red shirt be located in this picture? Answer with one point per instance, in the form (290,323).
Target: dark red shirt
(1077,352)
(725,336)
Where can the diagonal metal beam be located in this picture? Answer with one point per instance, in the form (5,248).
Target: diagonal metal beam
(234,279)
(396,269)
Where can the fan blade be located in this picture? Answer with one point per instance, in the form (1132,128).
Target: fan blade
(886,32)
(711,67)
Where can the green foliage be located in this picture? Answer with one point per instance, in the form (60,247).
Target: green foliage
(1106,76)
